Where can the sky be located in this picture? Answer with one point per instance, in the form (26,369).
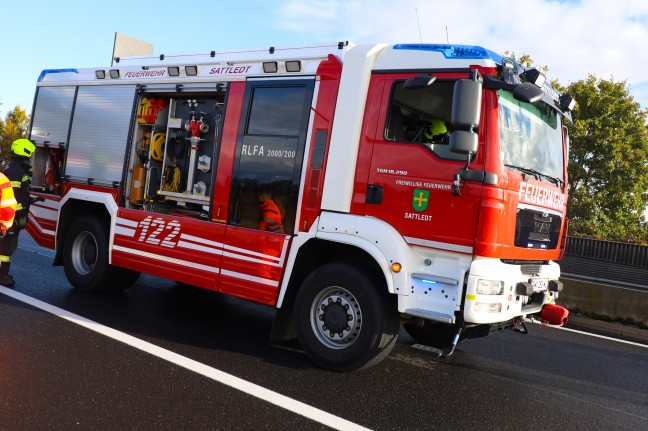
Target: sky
(574,38)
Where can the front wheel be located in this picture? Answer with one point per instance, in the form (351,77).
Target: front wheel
(345,318)
(85,258)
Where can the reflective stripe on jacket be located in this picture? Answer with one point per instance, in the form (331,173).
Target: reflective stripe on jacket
(7,203)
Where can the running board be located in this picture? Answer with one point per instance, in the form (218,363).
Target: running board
(430,315)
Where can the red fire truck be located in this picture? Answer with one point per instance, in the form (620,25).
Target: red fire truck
(354,188)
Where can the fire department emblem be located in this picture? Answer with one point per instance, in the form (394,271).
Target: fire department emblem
(420,199)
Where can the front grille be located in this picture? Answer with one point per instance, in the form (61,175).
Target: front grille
(530,270)
(537,229)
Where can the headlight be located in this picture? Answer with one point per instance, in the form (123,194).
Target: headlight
(490,287)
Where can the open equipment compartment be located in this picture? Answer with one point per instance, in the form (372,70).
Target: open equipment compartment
(174,150)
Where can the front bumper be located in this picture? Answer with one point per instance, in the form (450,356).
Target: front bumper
(522,289)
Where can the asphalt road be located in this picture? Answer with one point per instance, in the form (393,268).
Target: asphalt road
(161,356)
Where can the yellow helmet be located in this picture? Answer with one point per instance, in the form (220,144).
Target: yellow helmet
(23,147)
(435,130)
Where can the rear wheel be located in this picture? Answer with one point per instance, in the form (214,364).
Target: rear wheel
(345,318)
(85,258)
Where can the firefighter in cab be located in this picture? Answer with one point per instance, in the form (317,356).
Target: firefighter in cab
(18,173)
(435,133)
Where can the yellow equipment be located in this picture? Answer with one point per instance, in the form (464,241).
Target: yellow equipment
(157,146)
(142,111)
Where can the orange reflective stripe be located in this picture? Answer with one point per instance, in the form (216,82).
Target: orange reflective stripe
(7,202)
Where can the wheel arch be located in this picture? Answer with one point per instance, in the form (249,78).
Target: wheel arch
(377,243)
(318,252)
(364,241)
(80,202)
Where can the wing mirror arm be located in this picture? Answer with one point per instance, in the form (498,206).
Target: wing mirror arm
(524,92)
(456,183)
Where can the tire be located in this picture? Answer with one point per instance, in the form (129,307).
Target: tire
(344,318)
(85,258)
(437,335)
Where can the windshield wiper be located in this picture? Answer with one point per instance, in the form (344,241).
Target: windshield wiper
(537,174)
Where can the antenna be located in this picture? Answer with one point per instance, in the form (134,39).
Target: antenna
(447,37)
(419,26)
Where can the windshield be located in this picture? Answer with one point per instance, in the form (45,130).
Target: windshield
(530,137)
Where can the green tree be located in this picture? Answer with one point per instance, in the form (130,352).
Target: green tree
(13,127)
(608,159)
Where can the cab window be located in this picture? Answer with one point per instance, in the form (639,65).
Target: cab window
(422,117)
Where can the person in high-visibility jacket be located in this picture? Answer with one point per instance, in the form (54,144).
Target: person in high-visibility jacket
(7,215)
(18,173)
(270,217)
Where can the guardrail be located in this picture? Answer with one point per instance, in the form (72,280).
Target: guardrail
(608,251)
(607,262)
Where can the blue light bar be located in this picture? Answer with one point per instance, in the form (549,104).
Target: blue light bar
(462,52)
(48,71)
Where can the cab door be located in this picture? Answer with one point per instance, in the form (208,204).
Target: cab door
(411,174)
(264,189)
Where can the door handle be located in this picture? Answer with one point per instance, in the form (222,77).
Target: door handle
(374,194)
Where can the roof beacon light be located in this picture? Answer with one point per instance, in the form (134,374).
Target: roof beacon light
(464,52)
(534,76)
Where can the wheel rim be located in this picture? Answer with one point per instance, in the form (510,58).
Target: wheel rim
(84,253)
(336,317)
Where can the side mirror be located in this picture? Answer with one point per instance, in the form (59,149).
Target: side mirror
(524,92)
(466,104)
(527,92)
(463,142)
(466,110)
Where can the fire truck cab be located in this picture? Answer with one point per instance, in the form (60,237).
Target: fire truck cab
(351,187)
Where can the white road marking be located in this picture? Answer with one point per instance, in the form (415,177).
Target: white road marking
(249,388)
(562,328)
